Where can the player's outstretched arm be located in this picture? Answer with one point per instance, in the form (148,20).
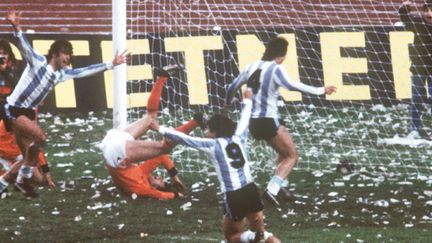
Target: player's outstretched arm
(95,68)
(330,89)
(121,58)
(284,80)
(49,180)
(27,52)
(243,123)
(13,17)
(203,144)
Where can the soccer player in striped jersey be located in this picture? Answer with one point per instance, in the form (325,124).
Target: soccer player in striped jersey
(265,77)
(226,146)
(39,78)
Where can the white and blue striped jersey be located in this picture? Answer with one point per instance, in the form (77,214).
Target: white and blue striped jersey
(228,154)
(39,78)
(272,77)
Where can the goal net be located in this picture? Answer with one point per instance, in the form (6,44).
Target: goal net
(359,46)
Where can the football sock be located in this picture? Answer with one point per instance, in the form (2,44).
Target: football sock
(247,236)
(24,172)
(267,235)
(154,98)
(3,184)
(285,183)
(5,164)
(185,128)
(274,185)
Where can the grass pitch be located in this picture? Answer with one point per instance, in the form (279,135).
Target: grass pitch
(369,205)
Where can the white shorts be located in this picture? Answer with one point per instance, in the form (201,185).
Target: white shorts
(113,147)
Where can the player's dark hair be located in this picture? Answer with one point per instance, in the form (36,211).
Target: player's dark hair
(277,47)
(5,45)
(221,125)
(58,46)
(427,5)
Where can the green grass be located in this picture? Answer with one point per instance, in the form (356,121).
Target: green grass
(370,205)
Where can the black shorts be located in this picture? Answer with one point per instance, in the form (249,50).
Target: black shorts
(2,111)
(11,113)
(263,128)
(239,203)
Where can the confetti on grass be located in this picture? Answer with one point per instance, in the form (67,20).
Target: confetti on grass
(328,189)
(186,206)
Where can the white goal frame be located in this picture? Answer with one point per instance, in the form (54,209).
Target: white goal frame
(120,72)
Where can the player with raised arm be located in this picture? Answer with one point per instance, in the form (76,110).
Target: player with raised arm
(10,154)
(39,78)
(421,60)
(265,77)
(226,147)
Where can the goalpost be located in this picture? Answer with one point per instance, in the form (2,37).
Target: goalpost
(356,45)
(120,75)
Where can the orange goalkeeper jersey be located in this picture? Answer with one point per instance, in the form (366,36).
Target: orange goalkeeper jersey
(135,178)
(9,149)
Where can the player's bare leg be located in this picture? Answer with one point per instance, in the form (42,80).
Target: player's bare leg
(24,178)
(232,229)
(256,221)
(256,224)
(30,138)
(24,127)
(38,177)
(139,127)
(9,176)
(138,150)
(287,158)
(284,193)
(287,152)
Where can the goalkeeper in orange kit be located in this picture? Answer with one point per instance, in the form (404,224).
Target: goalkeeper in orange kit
(11,160)
(138,178)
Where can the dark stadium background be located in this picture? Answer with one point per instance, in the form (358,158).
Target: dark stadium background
(91,20)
